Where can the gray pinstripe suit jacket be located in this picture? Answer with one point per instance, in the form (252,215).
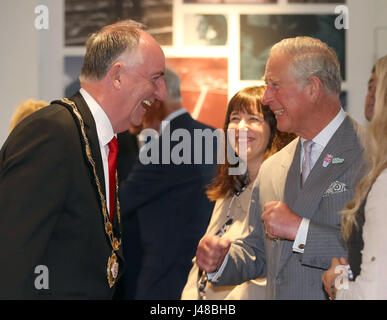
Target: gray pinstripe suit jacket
(293,275)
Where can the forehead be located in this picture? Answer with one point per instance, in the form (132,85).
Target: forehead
(151,56)
(277,68)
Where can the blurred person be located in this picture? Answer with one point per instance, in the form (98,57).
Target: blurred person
(370,98)
(60,231)
(164,207)
(24,110)
(364,217)
(294,210)
(232,192)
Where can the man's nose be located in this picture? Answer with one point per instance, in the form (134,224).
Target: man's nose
(161,91)
(267,96)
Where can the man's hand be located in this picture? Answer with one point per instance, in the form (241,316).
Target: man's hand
(280,221)
(211,252)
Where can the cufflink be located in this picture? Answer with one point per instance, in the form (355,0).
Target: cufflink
(301,246)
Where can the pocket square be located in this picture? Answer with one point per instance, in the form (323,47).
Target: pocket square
(335,187)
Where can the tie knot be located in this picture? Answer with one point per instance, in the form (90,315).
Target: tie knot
(308,146)
(113,145)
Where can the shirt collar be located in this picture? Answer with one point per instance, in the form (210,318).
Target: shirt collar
(172,116)
(326,134)
(175,114)
(104,127)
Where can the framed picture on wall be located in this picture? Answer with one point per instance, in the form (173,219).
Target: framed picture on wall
(316,1)
(83,17)
(260,32)
(204,87)
(230,1)
(205,30)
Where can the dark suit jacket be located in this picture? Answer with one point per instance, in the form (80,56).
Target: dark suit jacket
(127,154)
(172,213)
(50,209)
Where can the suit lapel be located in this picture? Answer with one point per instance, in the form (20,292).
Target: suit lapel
(91,132)
(292,184)
(343,144)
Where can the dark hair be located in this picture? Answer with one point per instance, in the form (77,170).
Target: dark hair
(248,100)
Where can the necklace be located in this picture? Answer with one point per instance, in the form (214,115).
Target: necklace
(112,264)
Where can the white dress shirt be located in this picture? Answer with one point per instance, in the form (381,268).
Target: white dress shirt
(104,132)
(320,142)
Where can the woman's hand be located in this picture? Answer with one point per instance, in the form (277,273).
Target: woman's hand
(329,277)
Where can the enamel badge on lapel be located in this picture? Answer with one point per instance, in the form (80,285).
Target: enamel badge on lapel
(327,160)
(330,159)
(337,160)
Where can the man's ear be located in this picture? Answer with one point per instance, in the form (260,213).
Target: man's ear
(314,88)
(115,74)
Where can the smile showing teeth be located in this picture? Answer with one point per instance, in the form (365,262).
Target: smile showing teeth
(279,112)
(147,102)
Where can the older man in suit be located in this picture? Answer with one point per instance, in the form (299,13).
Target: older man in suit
(294,211)
(164,204)
(60,233)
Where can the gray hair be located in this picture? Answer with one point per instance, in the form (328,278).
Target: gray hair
(105,47)
(312,57)
(172,83)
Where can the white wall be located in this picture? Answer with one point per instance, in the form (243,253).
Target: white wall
(31,60)
(19,58)
(365,18)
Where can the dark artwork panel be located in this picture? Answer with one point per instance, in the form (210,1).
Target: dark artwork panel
(205,30)
(204,87)
(230,1)
(83,17)
(260,32)
(72,69)
(344,99)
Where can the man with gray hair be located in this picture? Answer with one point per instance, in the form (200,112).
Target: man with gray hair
(60,232)
(295,207)
(164,204)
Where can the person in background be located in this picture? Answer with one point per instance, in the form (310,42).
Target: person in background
(364,217)
(232,193)
(24,110)
(164,207)
(296,199)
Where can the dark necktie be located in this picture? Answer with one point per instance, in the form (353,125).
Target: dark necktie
(113,150)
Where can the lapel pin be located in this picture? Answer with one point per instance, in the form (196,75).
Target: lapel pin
(337,160)
(327,160)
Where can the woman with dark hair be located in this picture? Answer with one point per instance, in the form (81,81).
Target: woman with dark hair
(255,131)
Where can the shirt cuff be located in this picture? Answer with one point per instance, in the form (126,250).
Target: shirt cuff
(302,233)
(214,276)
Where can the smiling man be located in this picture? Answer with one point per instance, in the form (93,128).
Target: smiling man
(60,232)
(299,192)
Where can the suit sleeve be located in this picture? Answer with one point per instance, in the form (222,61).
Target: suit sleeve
(246,255)
(33,185)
